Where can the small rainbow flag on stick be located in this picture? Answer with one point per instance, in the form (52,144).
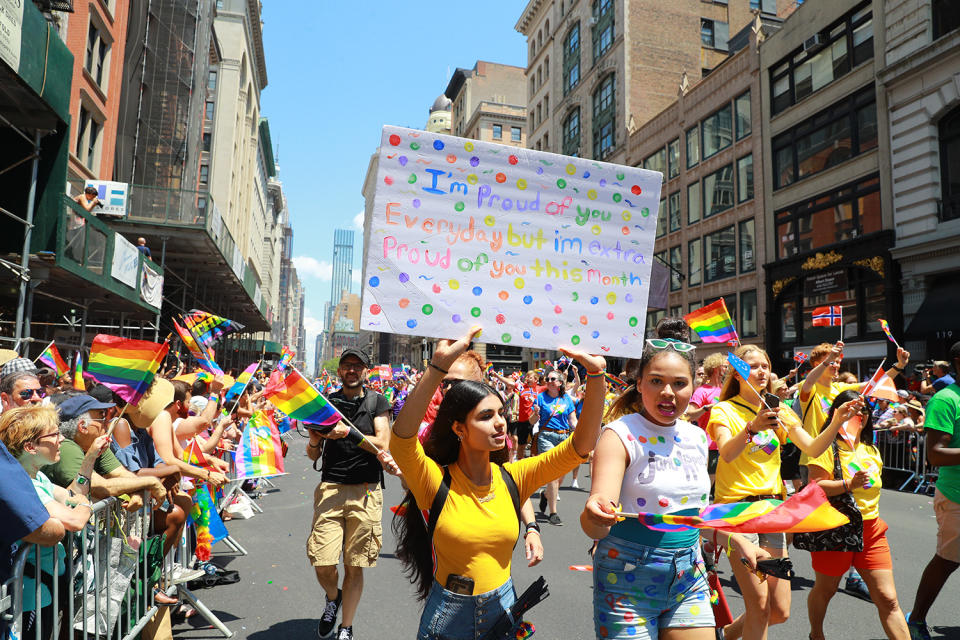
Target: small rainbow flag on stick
(202,354)
(193,454)
(886,330)
(294,396)
(126,366)
(242,381)
(78,382)
(713,323)
(259,454)
(286,355)
(51,357)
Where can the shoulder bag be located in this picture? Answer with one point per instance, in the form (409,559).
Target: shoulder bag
(848,537)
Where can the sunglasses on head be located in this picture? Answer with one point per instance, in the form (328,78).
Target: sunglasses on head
(669,343)
(26,394)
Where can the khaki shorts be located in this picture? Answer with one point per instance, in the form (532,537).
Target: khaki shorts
(347,520)
(948,527)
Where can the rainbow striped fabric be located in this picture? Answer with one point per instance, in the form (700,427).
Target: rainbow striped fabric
(78,382)
(201,353)
(126,366)
(193,454)
(259,454)
(806,510)
(209,328)
(713,323)
(51,358)
(294,396)
(286,355)
(242,381)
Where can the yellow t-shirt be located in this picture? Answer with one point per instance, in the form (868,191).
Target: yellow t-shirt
(814,411)
(477,527)
(755,472)
(867,458)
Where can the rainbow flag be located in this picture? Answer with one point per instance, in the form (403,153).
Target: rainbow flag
(294,396)
(201,353)
(78,382)
(373,376)
(259,454)
(51,357)
(286,355)
(204,376)
(807,510)
(209,328)
(207,522)
(242,381)
(193,454)
(125,366)
(713,323)
(616,383)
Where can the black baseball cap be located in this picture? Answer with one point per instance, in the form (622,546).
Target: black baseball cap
(356,353)
(955,351)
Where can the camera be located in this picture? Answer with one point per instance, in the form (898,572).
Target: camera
(923,368)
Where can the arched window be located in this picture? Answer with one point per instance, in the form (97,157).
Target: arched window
(950,164)
(571,133)
(604,118)
(571,58)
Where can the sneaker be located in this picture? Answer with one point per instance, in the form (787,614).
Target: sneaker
(555,520)
(329,618)
(543,503)
(918,630)
(345,633)
(181,574)
(857,588)
(574,484)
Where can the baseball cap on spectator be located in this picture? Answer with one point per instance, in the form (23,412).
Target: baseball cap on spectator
(356,353)
(903,394)
(80,404)
(18,365)
(102,393)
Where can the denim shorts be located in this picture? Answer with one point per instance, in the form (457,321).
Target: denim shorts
(452,616)
(638,590)
(548,439)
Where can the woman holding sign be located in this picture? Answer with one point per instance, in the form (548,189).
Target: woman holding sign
(861,468)
(474,528)
(749,426)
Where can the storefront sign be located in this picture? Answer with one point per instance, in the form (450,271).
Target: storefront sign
(826,282)
(11,26)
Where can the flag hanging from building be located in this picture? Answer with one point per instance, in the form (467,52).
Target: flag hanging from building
(51,357)
(209,328)
(713,323)
(78,382)
(126,366)
(259,454)
(828,316)
(242,381)
(294,396)
(201,353)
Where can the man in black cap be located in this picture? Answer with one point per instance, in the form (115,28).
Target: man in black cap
(348,503)
(83,420)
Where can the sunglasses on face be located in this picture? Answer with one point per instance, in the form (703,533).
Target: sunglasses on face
(553,379)
(669,343)
(26,394)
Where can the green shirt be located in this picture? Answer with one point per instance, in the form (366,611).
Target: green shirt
(943,414)
(71,459)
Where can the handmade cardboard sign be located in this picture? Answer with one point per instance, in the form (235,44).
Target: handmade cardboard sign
(542,250)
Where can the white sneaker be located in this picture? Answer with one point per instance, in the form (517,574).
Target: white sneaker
(574,484)
(181,574)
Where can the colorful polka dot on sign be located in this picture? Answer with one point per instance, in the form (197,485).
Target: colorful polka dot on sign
(537,322)
(477,291)
(513,159)
(451,158)
(375,309)
(501,178)
(468,146)
(561,183)
(388,180)
(374,281)
(503,295)
(574,340)
(526,335)
(455,318)
(411,323)
(505,337)
(436,288)
(394,140)
(636,190)
(527,299)
(427,309)
(403,303)
(558,309)
(475,312)
(403,277)
(438,145)
(501,318)
(454,284)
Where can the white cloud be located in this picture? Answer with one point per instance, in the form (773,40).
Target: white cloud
(309,266)
(358,221)
(356,276)
(311,326)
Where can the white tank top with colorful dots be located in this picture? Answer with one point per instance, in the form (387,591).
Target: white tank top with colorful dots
(667,467)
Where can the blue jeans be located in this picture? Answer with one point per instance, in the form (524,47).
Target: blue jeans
(452,616)
(547,439)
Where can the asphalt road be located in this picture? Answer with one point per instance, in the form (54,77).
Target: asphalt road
(278,597)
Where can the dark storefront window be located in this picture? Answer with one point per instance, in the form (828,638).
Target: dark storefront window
(950,165)
(748,314)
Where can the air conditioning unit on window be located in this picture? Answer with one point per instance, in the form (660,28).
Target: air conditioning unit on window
(592,21)
(814,43)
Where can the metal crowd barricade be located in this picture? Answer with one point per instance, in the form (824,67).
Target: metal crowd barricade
(229,491)
(905,452)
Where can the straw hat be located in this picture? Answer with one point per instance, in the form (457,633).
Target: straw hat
(6,355)
(157,398)
(914,404)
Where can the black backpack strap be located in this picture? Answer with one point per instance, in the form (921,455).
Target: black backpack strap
(437,505)
(514,495)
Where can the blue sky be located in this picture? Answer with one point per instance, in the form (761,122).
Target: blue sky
(336,75)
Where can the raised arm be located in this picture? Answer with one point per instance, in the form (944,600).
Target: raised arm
(817,372)
(587,428)
(813,447)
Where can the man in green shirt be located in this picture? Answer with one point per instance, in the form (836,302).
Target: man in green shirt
(942,430)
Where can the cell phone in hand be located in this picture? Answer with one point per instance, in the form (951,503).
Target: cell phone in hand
(772,400)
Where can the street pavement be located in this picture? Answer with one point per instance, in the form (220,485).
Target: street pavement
(278,597)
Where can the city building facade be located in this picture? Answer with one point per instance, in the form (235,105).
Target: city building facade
(439,119)
(489,103)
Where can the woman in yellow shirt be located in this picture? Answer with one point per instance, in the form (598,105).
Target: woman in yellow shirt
(861,468)
(749,437)
(465,576)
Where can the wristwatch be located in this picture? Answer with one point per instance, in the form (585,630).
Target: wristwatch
(531,526)
(82,480)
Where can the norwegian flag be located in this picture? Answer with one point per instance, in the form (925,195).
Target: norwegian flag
(828,316)
(800,357)
(873,382)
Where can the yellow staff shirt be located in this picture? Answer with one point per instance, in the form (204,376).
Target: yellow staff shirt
(868,458)
(814,411)
(478,526)
(754,472)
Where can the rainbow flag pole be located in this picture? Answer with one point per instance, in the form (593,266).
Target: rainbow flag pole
(245,385)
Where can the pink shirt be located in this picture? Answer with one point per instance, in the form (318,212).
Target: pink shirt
(705,395)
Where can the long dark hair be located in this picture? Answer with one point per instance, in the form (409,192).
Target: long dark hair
(667,329)
(866,431)
(443,447)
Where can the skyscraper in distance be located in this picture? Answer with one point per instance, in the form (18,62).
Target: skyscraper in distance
(342,264)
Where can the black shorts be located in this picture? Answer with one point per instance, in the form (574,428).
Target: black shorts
(713,458)
(512,428)
(522,431)
(790,462)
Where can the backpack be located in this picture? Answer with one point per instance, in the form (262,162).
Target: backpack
(444,489)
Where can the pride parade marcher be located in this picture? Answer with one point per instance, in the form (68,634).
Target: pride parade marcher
(470,587)
(860,469)
(649,459)
(556,410)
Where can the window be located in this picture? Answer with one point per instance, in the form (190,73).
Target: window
(765,6)
(841,214)
(676,269)
(206,141)
(838,133)
(497,131)
(88,139)
(718,191)
(675,211)
(662,218)
(539,115)
(676,311)
(204,174)
(946,17)
(673,158)
(571,59)
(827,57)
(515,134)
(208,113)
(949,132)
(745,178)
(97,49)
(546,68)
(603,28)
(748,260)
(604,119)
(720,254)
(714,34)
(694,264)
(571,133)
(212,80)
(748,314)
(717,132)
(657,162)
(693,202)
(693,146)
(742,108)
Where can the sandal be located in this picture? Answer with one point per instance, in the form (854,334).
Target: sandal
(161,599)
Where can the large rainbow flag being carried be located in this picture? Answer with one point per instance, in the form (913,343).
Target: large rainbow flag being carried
(201,353)
(259,454)
(125,366)
(51,357)
(713,323)
(209,328)
(294,396)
